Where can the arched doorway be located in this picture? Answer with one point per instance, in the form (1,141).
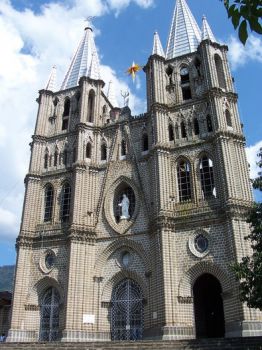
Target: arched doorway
(127,311)
(208,306)
(49,308)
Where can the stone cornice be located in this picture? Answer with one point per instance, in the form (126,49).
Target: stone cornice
(39,138)
(225,134)
(218,92)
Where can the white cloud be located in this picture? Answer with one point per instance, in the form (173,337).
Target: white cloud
(31,43)
(252,158)
(240,54)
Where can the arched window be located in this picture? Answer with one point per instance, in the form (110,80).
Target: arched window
(88,150)
(198,65)
(103,152)
(183,130)
(169,72)
(65,118)
(177,132)
(207,177)
(91,106)
(185,83)
(74,154)
(228,119)
(77,97)
(55,157)
(220,72)
(46,161)
(65,202)
(49,321)
(209,123)
(123,148)
(170,132)
(49,198)
(104,110)
(184,184)
(145,142)
(65,156)
(196,126)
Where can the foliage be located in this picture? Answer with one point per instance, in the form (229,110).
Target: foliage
(6,278)
(249,271)
(243,12)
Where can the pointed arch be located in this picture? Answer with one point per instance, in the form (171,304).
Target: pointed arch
(170,132)
(145,145)
(220,72)
(48,202)
(184,180)
(88,150)
(91,106)
(228,118)
(103,151)
(196,126)
(66,112)
(65,202)
(209,123)
(183,130)
(123,147)
(207,177)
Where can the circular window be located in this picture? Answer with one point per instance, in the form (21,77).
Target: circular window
(49,260)
(201,243)
(124,203)
(125,259)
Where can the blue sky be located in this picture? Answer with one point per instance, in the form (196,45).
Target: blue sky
(34,35)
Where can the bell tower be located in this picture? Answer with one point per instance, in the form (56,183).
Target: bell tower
(130,223)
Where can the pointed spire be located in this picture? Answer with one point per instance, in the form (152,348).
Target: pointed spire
(157,46)
(84,62)
(51,83)
(206,31)
(185,35)
(111,94)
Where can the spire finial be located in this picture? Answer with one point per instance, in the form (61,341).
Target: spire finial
(51,82)
(206,31)
(185,35)
(157,46)
(85,62)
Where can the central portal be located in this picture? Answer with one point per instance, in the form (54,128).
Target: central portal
(127,311)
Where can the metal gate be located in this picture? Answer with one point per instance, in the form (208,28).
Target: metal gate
(127,311)
(49,326)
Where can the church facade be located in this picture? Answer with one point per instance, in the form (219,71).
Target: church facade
(131,223)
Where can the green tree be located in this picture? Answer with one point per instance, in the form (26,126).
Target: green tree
(249,270)
(244,13)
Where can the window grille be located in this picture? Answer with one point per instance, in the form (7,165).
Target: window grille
(184,184)
(127,311)
(55,158)
(49,317)
(207,177)
(65,205)
(49,197)
(220,72)
(228,119)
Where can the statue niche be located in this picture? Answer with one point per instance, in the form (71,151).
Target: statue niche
(124,203)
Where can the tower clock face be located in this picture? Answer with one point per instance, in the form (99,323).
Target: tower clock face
(184,71)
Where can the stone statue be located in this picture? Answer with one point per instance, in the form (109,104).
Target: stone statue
(125,207)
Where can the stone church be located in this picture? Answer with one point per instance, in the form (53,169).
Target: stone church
(131,222)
